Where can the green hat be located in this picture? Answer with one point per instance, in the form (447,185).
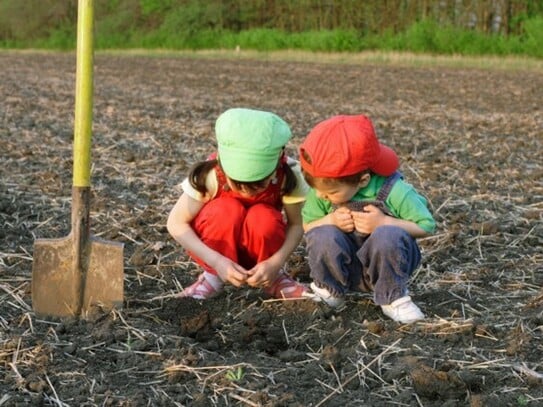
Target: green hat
(250,143)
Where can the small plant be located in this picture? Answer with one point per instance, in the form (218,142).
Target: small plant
(128,342)
(235,375)
(522,400)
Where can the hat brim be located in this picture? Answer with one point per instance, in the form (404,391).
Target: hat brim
(387,163)
(243,167)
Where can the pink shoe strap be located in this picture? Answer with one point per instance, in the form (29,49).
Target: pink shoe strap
(286,287)
(201,289)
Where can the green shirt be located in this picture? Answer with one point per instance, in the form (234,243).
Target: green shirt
(403,201)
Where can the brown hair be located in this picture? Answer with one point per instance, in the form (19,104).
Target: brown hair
(353,179)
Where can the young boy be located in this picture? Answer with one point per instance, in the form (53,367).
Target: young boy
(360,218)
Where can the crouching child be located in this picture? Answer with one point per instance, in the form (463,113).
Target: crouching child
(361,219)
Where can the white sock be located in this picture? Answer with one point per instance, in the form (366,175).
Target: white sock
(213,280)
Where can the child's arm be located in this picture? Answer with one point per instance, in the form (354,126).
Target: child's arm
(265,272)
(368,220)
(183,212)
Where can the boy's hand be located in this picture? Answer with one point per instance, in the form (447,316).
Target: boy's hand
(367,221)
(342,219)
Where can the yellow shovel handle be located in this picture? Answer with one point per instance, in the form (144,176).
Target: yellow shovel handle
(83,94)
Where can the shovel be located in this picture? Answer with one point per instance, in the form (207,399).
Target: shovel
(78,274)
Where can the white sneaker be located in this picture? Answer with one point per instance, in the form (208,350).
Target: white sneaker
(403,310)
(322,294)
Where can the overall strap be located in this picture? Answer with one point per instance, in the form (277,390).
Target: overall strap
(382,195)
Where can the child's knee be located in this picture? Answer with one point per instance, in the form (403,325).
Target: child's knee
(392,241)
(390,237)
(325,238)
(220,215)
(226,210)
(264,219)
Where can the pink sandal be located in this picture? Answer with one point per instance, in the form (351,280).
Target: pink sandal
(285,287)
(201,289)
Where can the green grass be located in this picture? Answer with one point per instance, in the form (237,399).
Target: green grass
(425,37)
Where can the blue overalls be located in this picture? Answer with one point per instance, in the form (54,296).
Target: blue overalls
(381,262)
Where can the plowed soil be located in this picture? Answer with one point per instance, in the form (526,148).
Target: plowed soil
(471,140)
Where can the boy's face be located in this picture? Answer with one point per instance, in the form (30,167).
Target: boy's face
(339,193)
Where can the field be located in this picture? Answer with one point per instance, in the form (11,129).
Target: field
(470,139)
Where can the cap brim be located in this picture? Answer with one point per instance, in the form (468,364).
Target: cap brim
(246,168)
(388,162)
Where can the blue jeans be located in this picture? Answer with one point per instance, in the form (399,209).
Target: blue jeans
(381,262)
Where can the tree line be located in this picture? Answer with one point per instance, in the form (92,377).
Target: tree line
(26,22)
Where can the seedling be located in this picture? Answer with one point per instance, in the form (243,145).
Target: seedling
(235,375)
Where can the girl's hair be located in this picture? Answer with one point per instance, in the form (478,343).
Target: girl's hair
(198,174)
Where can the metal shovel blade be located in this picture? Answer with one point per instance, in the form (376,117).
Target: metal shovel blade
(60,289)
(78,274)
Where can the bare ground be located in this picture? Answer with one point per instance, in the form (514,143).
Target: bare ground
(470,139)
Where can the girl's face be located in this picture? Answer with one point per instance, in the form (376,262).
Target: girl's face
(339,193)
(255,188)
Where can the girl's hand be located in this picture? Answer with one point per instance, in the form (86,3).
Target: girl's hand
(367,221)
(230,271)
(343,219)
(262,275)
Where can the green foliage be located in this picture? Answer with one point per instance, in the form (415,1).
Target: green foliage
(427,36)
(195,26)
(29,21)
(334,40)
(193,17)
(314,25)
(235,375)
(63,38)
(262,39)
(114,30)
(421,37)
(532,37)
(154,6)
(522,400)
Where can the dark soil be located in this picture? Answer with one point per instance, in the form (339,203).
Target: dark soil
(470,139)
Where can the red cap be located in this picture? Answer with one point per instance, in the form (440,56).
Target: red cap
(346,145)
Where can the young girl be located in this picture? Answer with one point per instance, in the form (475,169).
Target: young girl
(230,215)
